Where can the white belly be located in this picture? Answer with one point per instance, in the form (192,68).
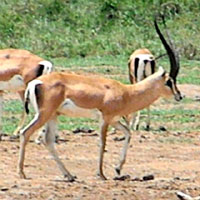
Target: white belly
(16,83)
(69,108)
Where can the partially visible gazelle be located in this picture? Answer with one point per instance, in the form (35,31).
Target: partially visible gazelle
(141,65)
(17,68)
(94,97)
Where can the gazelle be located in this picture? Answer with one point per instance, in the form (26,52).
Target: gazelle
(141,64)
(95,97)
(17,68)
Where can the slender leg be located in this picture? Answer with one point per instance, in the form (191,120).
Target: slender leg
(128,120)
(23,118)
(40,134)
(1,110)
(118,125)
(103,133)
(20,125)
(24,138)
(135,121)
(49,140)
(148,119)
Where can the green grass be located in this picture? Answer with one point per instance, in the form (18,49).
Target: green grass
(82,28)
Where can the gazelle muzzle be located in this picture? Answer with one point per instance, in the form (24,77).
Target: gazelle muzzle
(177,94)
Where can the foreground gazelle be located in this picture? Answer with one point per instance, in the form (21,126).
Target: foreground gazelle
(17,68)
(141,65)
(95,97)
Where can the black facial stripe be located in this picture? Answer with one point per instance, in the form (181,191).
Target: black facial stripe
(169,83)
(136,64)
(40,70)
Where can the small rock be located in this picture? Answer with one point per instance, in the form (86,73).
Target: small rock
(3,189)
(83,130)
(118,139)
(162,128)
(13,138)
(122,178)
(136,179)
(148,177)
(197,98)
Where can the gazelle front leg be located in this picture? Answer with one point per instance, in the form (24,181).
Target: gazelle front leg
(103,134)
(118,125)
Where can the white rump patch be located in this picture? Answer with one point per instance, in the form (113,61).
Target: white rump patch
(15,84)
(30,93)
(145,57)
(69,108)
(48,66)
(142,68)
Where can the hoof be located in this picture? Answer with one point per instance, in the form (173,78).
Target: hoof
(147,128)
(70,178)
(14,137)
(136,128)
(102,177)
(22,175)
(118,171)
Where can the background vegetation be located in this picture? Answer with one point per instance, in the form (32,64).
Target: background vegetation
(71,28)
(98,36)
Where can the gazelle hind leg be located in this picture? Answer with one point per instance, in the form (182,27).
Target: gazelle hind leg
(118,125)
(53,98)
(23,117)
(24,138)
(49,140)
(20,125)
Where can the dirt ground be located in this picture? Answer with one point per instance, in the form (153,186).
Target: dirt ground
(171,167)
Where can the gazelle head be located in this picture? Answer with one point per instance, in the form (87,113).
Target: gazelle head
(170,80)
(170,85)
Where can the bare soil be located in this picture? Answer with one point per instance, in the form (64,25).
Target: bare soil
(173,166)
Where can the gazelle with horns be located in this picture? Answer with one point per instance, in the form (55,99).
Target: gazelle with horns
(17,68)
(91,96)
(141,65)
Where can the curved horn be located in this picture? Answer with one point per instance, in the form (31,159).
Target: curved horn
(172,54)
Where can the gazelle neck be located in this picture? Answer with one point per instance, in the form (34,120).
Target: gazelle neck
(146,92)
